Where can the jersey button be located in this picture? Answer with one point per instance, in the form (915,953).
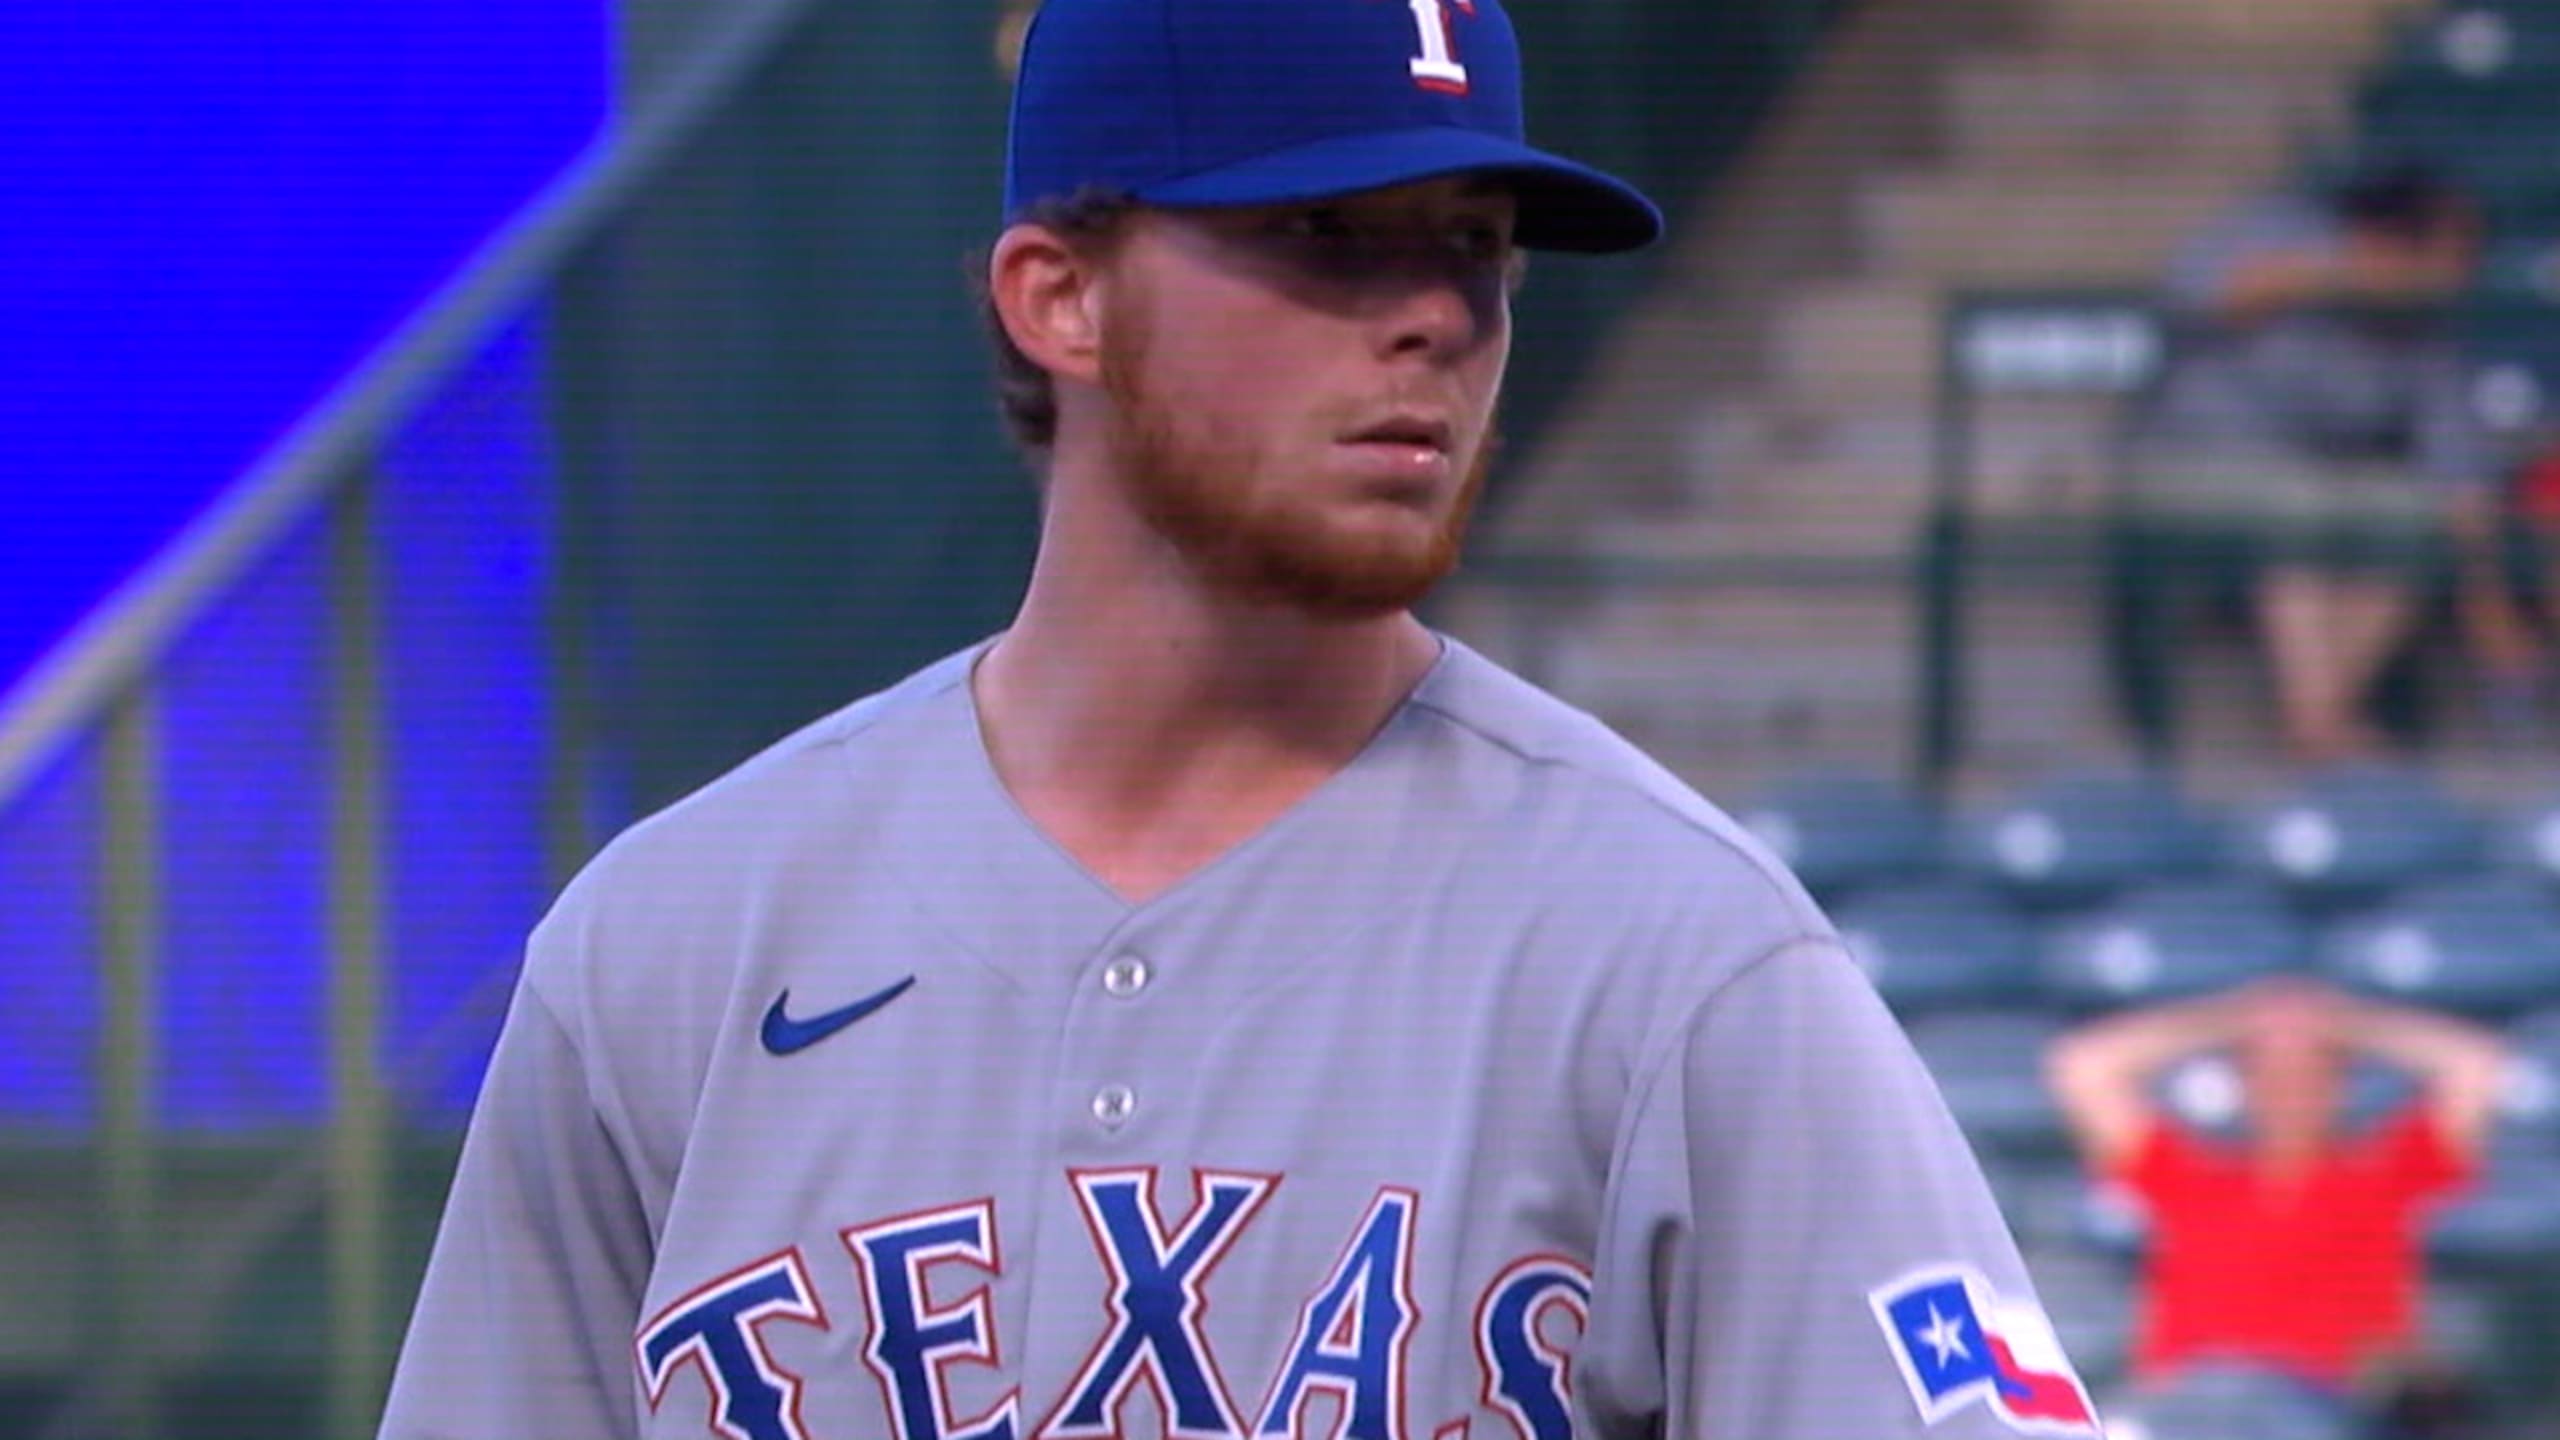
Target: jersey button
(1112,1105)
(1125,977)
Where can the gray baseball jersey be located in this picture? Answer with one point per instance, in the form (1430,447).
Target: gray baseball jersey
(1501,1090)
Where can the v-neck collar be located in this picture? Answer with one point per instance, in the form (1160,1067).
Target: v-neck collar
(999,882)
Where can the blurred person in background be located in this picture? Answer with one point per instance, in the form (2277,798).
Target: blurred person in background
(2514,639)
(2315,398)
(2296,1248)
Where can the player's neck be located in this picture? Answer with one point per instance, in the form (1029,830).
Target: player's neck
(1119,647)
(1158,683)
(1149,727)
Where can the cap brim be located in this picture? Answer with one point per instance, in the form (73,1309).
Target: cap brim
(1563,206)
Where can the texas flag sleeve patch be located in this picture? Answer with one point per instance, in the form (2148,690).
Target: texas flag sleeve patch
(1958,1343)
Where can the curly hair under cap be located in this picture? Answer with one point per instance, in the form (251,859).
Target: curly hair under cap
(1026,395)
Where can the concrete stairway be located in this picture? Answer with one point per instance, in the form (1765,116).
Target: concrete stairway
(1775,397)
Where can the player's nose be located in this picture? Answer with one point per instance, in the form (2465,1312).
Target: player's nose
(1437,311)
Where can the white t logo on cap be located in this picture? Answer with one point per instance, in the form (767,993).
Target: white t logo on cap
(1436,68)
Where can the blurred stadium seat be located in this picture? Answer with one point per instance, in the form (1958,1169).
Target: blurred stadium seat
(2053,1202)
(2079,836)
(2509,314)
(2511,332)
(2169,940)
(2478,41)
(2460,1321)
(1990,1066)
(2529,1111)
(2352,833)
(1938,944)
(2525,839)
(2216,1403)
(2486,945)
(2089,1299)
(2511,1218)
(1839,829)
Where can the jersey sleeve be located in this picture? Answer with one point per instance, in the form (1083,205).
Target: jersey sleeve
(523,1326)
(1798,1243)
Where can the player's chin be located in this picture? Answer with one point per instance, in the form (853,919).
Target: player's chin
(1357,576)
(1394,528)
(1392,512)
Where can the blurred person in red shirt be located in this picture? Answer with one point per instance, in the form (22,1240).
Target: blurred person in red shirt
(2298,1247)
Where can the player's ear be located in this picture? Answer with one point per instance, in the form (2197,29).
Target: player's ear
(1047,295)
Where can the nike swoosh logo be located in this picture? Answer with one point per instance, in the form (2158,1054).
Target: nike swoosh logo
(786,1036)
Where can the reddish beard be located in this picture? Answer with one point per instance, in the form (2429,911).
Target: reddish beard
(1245,531)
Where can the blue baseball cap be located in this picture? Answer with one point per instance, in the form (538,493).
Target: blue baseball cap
(1195,103)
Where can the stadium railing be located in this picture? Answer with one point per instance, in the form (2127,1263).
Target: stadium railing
(106,680)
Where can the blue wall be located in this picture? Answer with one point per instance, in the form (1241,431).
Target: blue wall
(211,212)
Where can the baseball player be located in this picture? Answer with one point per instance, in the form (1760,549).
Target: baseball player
(1219,1007)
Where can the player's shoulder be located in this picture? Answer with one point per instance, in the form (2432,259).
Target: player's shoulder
(1601,811)
(797,779)
(703,858)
